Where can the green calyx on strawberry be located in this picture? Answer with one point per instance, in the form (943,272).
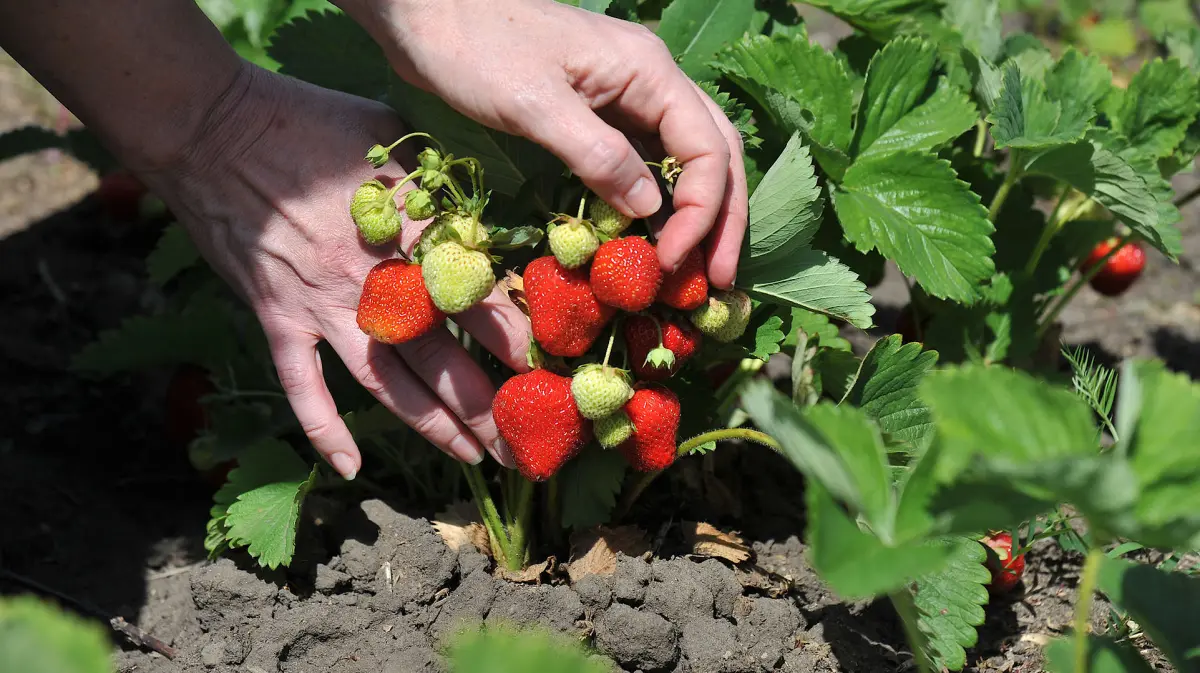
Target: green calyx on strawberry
(374,212)
(1119,271)
(1006,569)
(572,241)
(450,225)
(613,430)
(419,205)
(600,390)
(724,316)
(659,346)
(607,220)
(457,277)
(537,416)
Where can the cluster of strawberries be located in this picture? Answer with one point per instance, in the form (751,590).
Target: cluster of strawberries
(594,275)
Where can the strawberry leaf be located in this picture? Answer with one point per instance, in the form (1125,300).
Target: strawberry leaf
(331,50)
(817,326)
(885,387)
(1104,655)
(813,281)
(262,500)
(38,636)
(1165,604)
(767,337)
(588,487)
(785,209)
(951,602)
(913,209)
(741,117)
(895,112)
(174,253)
(1154,112)
(517,237)
(979,23)
(694,30)
(1025,116)
(504,649)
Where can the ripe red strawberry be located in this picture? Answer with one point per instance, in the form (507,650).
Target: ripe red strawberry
(1006,570)
(680,338)
(395,306)
(186,416)
(537,416)
(1119,271)
(626,274)
(565,315)
(120,194)
(687,287)
(654,411)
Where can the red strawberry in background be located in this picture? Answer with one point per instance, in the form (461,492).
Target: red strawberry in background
(680,338)
(654,411)
(538,418)
(626,274)
(395,306)
(1006,570)
(687,287)
(565,315)
(1119,271)
(186,416)
(120,194)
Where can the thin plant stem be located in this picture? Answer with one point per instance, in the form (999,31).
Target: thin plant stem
(408,178)
(1010,180)
(582,204)
(519,538)
(906,607)
(980,137)
(1188,197)
(1083,605)
(745,434)
(1052,226)
(487,510)
(612,337)
(1076,286)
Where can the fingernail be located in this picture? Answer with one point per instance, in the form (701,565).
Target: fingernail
(466,450)
(643,198)
(503,455)
(344,464)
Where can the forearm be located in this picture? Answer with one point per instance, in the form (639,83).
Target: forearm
(145,75)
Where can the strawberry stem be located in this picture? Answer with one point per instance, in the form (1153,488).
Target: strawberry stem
(408,178)
(417,134)
(1053,224)
(612,338)
(1010,180)
(1083,606)
(582,203)
(518,542)
(981,129)
(487,511)
(906,607)
(1083,279)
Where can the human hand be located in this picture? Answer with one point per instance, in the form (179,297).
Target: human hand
(265,192)
(578,83)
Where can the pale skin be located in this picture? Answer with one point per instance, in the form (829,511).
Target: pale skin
(260,168)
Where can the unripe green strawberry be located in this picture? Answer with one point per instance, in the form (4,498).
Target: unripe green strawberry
(450,225)
(419,205)
(457,277)
(606,218)
(600,391)
(374,213)
(724,316)
(612,431)
(573,243)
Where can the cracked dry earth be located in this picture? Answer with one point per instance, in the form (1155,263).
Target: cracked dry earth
(390,592)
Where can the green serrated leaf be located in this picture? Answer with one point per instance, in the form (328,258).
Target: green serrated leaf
(811,280)
(818,327)
(913,209)
(837,369)
(941,118)
(37,636)
(1157,108)
(1165,604)
(738,115)
(517,237)
(767,338)
(331,50)
(951,602)
(800,85)
(856,564)
(1080,80)
(588,487)
(980,24)
(174,253)
(205,333)
(785,209)
(507,649)
(886,388)
(1026,117)
(694,30)
(1094,382)
(1104,655)
(859,445)
(264,520)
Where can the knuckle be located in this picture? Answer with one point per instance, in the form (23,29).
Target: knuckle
(318,430)
(607,155)
(295,378)
(427,425)
(427,348)
(372,372)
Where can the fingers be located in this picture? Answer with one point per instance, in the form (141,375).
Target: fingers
(725,242)
(599,154)
(459,382)
(379,369)
(500,327)
(299,371)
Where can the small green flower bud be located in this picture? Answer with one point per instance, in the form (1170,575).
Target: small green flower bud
(378,156)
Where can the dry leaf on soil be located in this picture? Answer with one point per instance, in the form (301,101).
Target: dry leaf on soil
(459,525)
(706,540)
(529,575)
(594,552)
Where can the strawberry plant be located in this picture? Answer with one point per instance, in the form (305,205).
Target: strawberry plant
(986,168)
